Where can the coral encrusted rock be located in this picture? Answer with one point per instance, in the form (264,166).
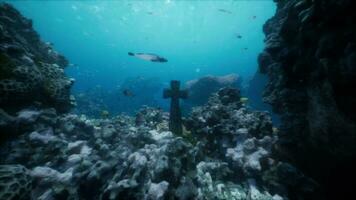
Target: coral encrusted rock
(15,182)
(201,89)
(310,58)
(31,71)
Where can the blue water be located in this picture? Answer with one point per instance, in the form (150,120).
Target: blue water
(195,37)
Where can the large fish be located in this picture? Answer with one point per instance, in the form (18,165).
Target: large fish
(149,57)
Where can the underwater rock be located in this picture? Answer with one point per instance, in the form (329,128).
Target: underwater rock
(6,124)
(157,191)
(27,116)
(15,182)
(249,156)
(150,117)
(309,48)
(44,137)
(222,120)
(49,175)
(201,89)
(31,72)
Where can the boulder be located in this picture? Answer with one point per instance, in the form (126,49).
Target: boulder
(201,89)
(31,71)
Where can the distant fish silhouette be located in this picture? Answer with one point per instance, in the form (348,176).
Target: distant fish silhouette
(128,93)
(224,11)
(49,43)
(105,114)
(148,56)
(254,17)
(72,65)
(238,36)
(244,100)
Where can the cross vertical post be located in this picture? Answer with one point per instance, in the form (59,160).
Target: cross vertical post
(175,118)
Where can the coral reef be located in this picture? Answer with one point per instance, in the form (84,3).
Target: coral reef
(310,60)
(74,157)
(201,89)
(15,182)
(31,72)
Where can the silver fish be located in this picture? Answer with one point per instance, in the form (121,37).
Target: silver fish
(148,56)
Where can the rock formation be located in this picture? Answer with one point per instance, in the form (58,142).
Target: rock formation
(31,72)
(199,90)
(310,58)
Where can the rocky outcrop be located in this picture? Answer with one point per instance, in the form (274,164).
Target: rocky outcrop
(225,153)
(310,58)
(31,72)
(201,89)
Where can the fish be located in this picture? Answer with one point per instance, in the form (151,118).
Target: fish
(275,129)
(148,56)
(49,43)
(224,11)
(238,36)
(128,93)
(244,100)
(104,114)
(254,17)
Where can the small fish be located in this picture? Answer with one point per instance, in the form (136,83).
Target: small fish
(275,129)
(104,114)
(244,49)
(244,100)
(254,17)
(224,11)
(49,43)
(149,57)
(238,36)
(128,93)
(150,13)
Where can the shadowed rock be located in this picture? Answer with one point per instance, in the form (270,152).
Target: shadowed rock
(310,60)
(31,71)
(201,89)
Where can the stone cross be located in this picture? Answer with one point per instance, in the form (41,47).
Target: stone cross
(175,120)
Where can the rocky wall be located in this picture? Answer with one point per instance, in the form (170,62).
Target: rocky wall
(310,58)
(31,71)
